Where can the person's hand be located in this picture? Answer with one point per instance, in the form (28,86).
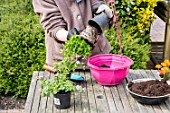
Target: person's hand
(71,33)
(64,35)
(89,34)
(106,9)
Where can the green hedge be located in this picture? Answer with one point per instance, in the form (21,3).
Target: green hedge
(22,48)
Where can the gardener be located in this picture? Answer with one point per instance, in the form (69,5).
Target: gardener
(61,18)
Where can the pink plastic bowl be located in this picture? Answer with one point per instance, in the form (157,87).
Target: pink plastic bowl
(117,71)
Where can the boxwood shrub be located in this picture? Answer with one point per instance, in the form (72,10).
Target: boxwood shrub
(22,48)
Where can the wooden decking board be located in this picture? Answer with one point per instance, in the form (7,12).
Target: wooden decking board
(114,99)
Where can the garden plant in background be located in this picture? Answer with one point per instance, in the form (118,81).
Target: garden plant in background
(139,53)
(164,69)
(135,18)
(137,14)
(22,48)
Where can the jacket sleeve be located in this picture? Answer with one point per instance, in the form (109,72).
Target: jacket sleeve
(96,4)
(50,16)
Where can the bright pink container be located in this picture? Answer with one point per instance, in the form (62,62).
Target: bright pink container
(117,71)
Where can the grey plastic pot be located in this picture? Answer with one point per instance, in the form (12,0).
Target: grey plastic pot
(100,22)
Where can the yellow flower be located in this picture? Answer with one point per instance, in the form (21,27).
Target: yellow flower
(129,37)
(164,64)
(167,62)
(158,66)
(166,69)
(135,8)
(162,72)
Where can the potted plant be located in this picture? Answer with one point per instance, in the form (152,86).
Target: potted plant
(61,86)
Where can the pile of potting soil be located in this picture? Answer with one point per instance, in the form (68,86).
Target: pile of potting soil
(150,88)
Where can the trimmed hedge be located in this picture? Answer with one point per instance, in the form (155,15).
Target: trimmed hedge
(22,46)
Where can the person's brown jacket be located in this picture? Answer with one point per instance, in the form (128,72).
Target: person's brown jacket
(67,14)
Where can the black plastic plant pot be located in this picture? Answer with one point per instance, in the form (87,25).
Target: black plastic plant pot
(100,22)
(62,100)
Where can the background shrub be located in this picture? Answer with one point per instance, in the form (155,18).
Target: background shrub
(131,47)
(22,46)
(138,15)
(135,18)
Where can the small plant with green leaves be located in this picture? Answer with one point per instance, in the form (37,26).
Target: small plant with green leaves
(74,50)
(60,84)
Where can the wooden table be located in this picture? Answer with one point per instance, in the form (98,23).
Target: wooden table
(97,98)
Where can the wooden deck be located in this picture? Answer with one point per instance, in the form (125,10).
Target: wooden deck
(97,98)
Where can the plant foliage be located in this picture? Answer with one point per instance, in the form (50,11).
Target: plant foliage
(139,53)
(137,14)
(22,48)
(74,50)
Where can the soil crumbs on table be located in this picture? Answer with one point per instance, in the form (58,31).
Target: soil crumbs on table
(7,102)
(150,88)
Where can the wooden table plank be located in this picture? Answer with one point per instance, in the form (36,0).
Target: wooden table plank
(110,99)
(124,99)
(135,75)
(43,100)
(150,108)
(30,97)
(54,109)
(84,95)
(117,99)
(90,92)
(71,109)
(50,104)
(132,101)
(77,100)
(100,97)
(37,97)
(3,111)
